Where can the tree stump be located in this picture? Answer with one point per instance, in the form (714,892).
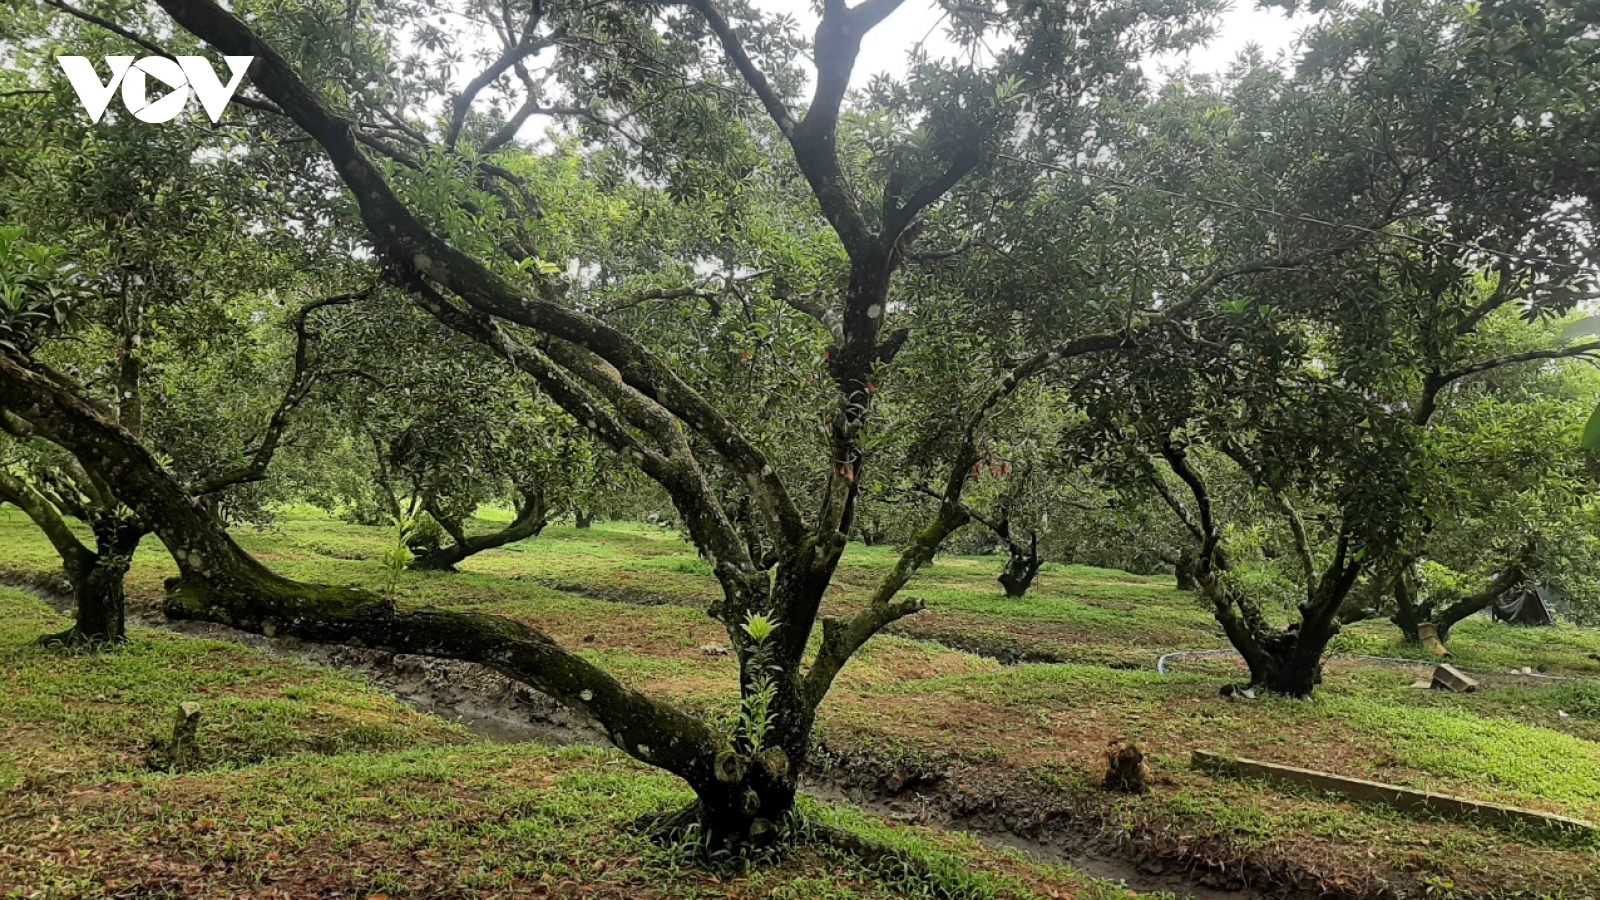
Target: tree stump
(184,750)
(1125,768)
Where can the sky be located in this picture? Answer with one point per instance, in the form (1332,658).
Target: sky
(885,48)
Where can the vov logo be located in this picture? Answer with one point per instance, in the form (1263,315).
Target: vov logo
(182,74)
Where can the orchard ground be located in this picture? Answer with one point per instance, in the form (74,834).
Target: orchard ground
(981,713)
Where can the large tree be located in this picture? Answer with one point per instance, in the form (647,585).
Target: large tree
(451,227)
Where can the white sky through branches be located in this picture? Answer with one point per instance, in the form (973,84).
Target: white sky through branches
(885,48)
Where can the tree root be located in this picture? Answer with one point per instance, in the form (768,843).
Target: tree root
(666,828)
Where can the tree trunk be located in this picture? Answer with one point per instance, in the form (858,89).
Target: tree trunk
(101,607)
(1288,661)
(97,585)
(1410,611)
(748,803)
(530,520)
(95,575)
(583,518)
(1021,569)
(1186,569)
(1508,578)
(1291,661)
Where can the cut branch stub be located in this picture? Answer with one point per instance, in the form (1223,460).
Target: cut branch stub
(183,751)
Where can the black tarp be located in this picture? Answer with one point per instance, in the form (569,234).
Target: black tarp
(1529,604)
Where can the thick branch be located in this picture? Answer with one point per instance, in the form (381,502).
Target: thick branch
(301,379)
(1438,381)
(1164,491)
(841,639)
(528,110)
(899,214)
(1508,578)
(1504,292)
(531,518)
(684,483)
(74,555)
(813,139)
(1211,535)
(222,583)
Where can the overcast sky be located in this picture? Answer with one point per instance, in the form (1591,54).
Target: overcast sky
(885,48)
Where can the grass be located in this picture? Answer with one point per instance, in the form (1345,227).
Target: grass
(1032,733)
(1481,645)
(476,821)
(316,785)
(65,716)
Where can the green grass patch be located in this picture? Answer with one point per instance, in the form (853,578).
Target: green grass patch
(66,714)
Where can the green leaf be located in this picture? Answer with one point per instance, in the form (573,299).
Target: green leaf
(1591,431)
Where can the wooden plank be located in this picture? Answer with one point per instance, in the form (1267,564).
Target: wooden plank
(1391,795)
(1450,678)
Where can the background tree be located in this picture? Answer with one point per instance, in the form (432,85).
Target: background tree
(1319,383)
(139,276)
(449,431)
(1509,487)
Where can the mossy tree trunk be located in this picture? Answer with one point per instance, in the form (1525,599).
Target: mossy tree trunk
(98,591)
(95,575)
